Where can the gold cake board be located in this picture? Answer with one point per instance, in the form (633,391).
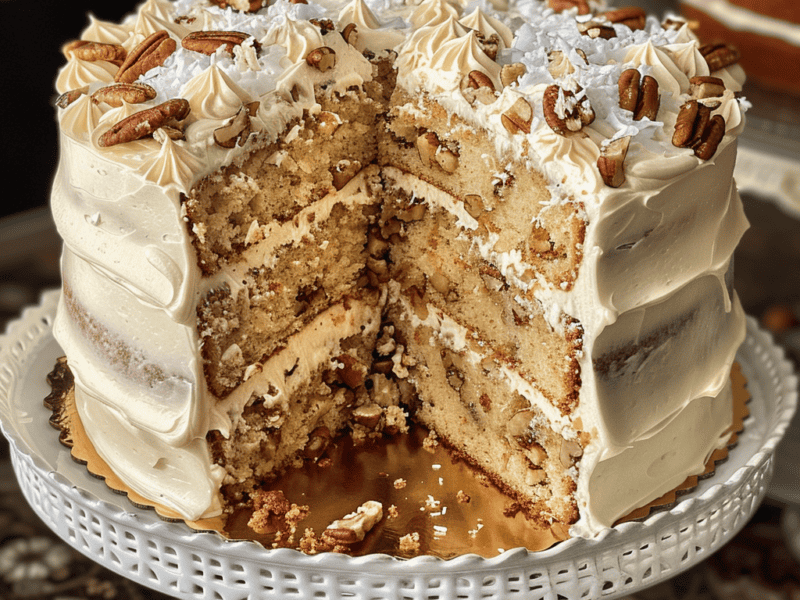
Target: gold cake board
(426,487)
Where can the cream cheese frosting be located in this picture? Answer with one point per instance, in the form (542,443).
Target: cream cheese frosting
(657,250)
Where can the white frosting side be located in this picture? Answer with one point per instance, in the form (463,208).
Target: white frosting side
(656,252)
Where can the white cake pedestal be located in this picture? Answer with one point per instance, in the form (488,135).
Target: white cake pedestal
(172,559)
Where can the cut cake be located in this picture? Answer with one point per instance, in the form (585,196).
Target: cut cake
(513,227)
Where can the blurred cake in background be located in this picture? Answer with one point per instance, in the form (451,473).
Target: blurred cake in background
(766,33)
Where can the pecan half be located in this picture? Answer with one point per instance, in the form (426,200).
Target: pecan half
(117,93)
(151,53)
(355,526)
(322,59)
(565,111)
(236,131)
(68,97)
(649,100)
(692,120)
(632,16)
(712,136)
(611,162)
(629,83)
(94,51)
(719,55)
(208,42)
(639,95)
(701,87)
(518,118)
(562,5)
(145,122)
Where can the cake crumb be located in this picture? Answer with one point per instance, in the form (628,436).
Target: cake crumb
(392,511)
(462,497)
(409,544)
(399,484)
(269,509)
(431,441)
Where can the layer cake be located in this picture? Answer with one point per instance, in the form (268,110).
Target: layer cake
(289,222)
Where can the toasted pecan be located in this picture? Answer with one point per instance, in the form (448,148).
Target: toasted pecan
(563,112)
(597,29)
(518,118)
(720,55)
(151,53)
(237,129)
(68,97)
(208,42)
(117,93)
(628,85)
(632,16)
(94,51)
(649,100)
(145,122)
(711,137)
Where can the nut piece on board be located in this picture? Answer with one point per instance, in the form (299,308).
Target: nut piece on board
(355,526)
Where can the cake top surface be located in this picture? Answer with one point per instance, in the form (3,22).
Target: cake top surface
(545,84)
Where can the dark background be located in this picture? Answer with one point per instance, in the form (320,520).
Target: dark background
(33,34)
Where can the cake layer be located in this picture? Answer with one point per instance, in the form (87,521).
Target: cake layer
(317,156)
(437,267)
(288,273)
(510,206)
